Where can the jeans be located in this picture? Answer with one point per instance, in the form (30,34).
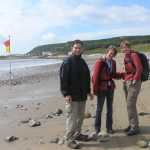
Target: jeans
(108,95)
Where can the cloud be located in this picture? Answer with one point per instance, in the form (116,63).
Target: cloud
(32,23)
(127,31)
(50,38)
(133,13)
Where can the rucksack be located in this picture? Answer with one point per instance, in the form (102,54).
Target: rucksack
(146,68)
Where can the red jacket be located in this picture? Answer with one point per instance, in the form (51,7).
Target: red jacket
(101,78)
(133,67)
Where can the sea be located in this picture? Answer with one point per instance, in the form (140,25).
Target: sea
(18,64)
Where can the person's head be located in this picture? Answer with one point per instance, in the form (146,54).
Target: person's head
(125,46)
(77,47)
(111,52)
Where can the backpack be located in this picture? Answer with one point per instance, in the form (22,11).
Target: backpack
(145,64)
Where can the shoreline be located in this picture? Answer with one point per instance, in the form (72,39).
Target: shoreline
(29,74)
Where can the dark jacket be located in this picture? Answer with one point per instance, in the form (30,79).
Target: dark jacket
(75,78)
(102,77)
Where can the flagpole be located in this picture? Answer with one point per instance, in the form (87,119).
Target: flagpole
(10,70)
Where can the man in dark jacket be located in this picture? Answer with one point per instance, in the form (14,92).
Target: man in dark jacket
(75,86)
(132,85)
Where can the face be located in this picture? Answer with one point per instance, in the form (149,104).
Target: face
(125,48)
(77,49)
(110,54)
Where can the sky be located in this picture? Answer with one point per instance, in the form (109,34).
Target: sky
(37,22)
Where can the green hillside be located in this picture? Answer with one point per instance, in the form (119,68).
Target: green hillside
(141,43)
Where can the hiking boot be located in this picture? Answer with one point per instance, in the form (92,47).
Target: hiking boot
(73,145)
(133,131)
(93,136)
(110,131)
(82,137)
(127,129)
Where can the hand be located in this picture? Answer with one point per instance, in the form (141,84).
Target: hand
(133,82)
(91,96)
(68,99)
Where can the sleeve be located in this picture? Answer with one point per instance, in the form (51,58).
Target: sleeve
(95,76)
(138,66)
(89,80)
(64,78)
(88,77)
(117,75)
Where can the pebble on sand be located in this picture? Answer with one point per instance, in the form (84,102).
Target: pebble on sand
(11,138)
(33,123)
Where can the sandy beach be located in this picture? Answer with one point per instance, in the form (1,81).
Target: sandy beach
(34,94)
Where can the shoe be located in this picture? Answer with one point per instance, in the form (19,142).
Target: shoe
(82,137)
(73,145)
(127,129)
(93,136)
(133,131)
(110,131)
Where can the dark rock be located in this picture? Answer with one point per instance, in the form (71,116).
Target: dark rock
(11,138)
(19,106)
(143,113)
(59,111)
(49,116)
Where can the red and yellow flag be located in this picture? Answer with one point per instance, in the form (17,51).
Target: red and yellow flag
(7,45)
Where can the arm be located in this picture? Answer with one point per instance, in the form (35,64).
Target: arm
(89,81)
(64,78)
(95,76)
(138,66)
(117,75)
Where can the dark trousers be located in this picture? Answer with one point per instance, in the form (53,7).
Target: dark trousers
(108,95)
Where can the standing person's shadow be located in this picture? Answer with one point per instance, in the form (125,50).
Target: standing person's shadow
(120,140)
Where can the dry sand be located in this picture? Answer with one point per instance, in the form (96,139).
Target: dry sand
(39,94)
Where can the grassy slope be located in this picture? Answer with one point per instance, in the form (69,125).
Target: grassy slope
(138,47)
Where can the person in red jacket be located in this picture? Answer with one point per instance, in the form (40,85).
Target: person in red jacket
(132,85)
(103,86)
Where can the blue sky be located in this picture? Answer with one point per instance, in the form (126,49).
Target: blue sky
(36,22)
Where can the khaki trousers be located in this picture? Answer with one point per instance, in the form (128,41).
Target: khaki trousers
(75,116)
(131,94)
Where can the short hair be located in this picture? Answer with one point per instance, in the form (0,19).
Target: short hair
(126,43)
(112,47)
(77,42)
